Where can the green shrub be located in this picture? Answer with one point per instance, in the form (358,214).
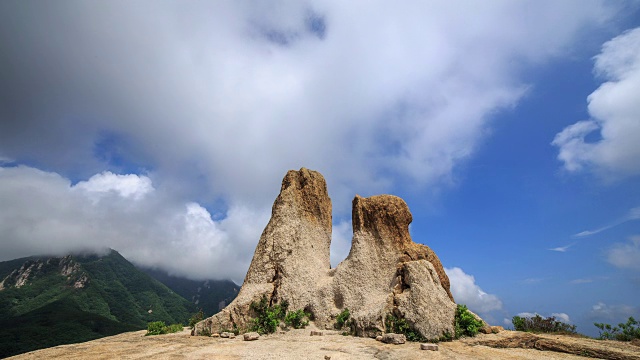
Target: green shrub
(159,328)
(538,324)
(623,332)
(268,317)
(297,319)
(401,326)
(342,319)
(465,323)
(156,328)
(174,328)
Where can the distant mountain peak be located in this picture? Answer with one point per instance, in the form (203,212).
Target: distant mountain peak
(33,268)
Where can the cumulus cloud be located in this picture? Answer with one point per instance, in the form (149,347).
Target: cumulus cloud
(614,109)
(43,213)
(127,186)
(617,312)
(366,93)
(626,255)
(465,291)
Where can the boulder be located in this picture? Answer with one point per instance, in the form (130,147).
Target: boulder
(432,347)
(250,336)
(292,254)
(386,273)
(496,329)
(395,339)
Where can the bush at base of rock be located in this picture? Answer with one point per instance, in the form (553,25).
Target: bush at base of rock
(342,319)
(268,317)
(297,319)
(466,323)
(400,326)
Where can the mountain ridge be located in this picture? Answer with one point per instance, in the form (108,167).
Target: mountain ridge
(81,296)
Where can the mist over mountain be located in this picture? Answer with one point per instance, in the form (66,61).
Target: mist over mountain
(209,295)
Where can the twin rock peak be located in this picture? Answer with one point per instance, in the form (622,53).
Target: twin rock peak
(386,273)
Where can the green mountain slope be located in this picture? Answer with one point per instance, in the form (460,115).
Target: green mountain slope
(209,295)
(51,301)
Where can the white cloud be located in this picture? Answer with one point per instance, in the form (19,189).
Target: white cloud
(341,235)
(626,255)
(220,99)
(616,313)
(633,214)
(614,109)
(225,91)
(563,317)
(562,248)
(528,314)
(127,186)
(465,291)
(44,214)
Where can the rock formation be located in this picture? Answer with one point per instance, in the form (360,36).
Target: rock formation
(386,273)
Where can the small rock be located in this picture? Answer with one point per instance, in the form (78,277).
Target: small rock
(216,335)
(496,329)
(250,336)
(395,339)
(226,334)
(432,347)
(379,338)
(327,357)
(316,333)
(485,329)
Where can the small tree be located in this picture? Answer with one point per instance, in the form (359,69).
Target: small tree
(623,332)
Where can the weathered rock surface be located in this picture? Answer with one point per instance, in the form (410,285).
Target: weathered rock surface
(386,273)
(601,349)
(297,344)
(291,256)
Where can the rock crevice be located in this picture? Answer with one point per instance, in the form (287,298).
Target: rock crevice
(384,273)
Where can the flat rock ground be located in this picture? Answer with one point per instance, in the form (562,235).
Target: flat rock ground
(298,344)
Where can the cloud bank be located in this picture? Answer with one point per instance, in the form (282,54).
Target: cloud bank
(237,93)
(465,291)
(614,109)
(43,213)
(162,110)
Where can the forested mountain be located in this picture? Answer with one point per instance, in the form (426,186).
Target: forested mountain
(47,301)
(209,295)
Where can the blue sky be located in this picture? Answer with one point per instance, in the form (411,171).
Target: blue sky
(163,129)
